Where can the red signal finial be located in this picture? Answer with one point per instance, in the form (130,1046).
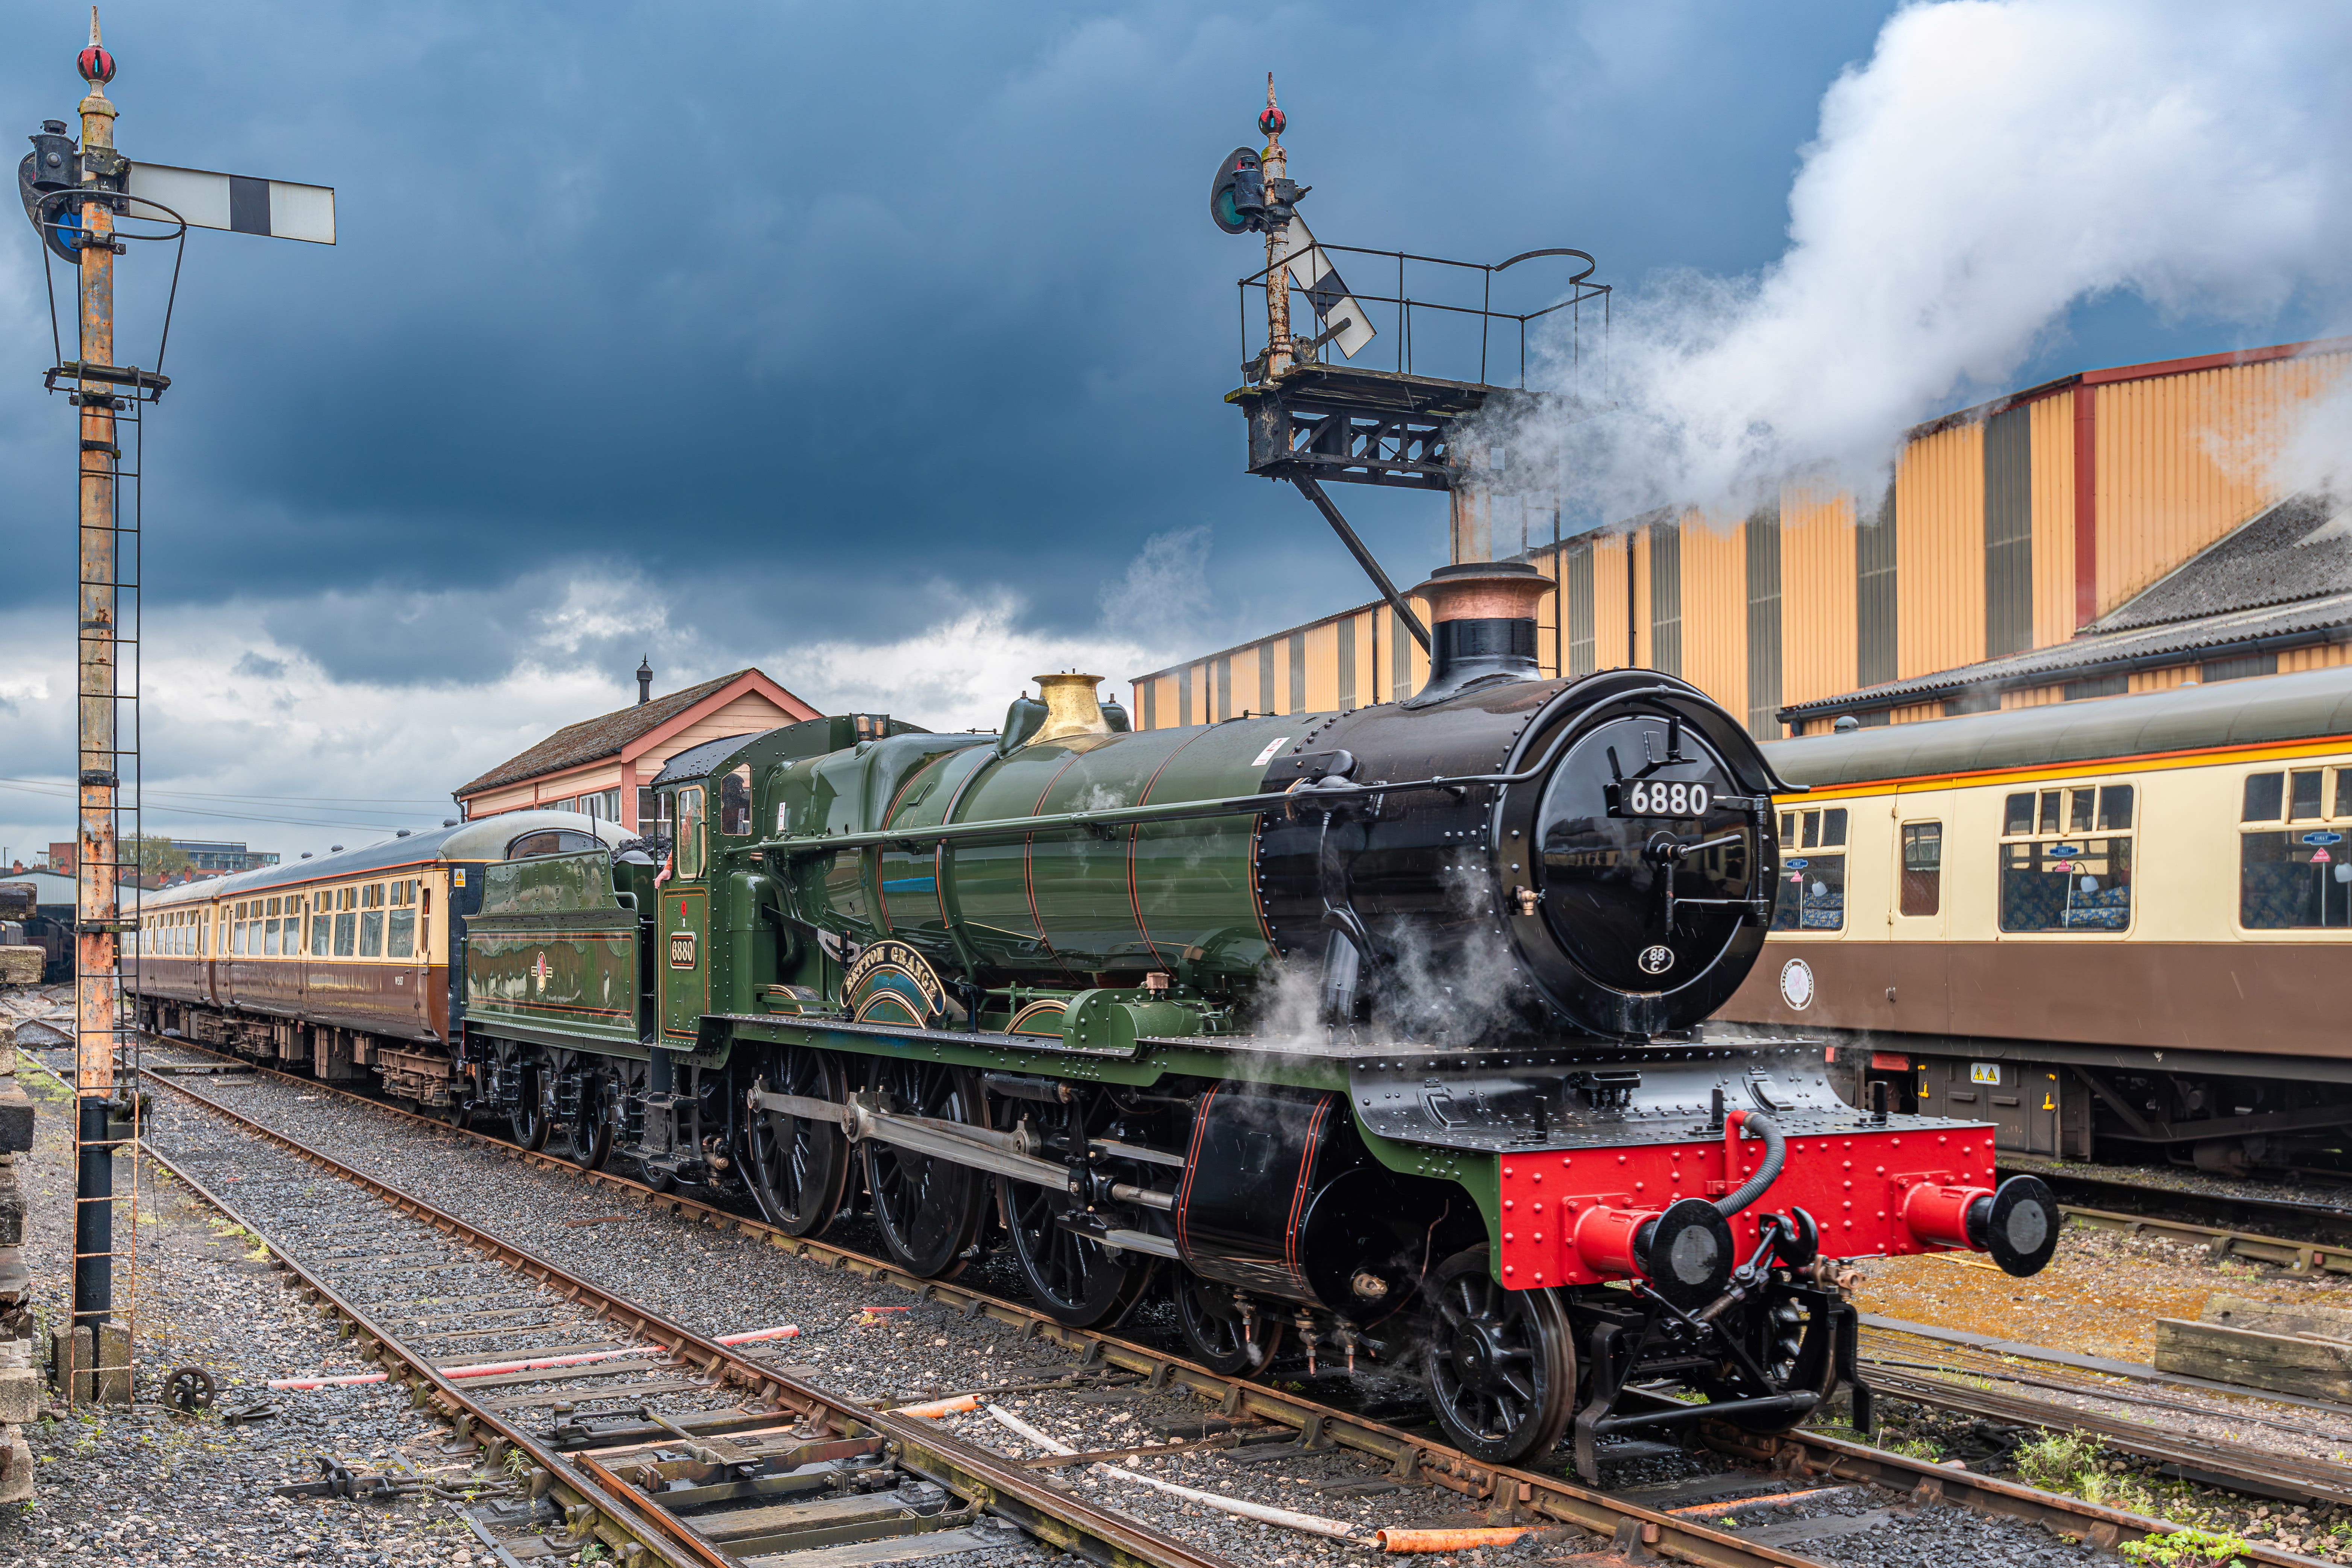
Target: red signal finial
(1272,121)
(97,65)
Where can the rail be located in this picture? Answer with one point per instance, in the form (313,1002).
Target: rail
(1004,1487)
(1800,1453)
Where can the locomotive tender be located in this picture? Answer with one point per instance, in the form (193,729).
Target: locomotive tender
(1373,1031)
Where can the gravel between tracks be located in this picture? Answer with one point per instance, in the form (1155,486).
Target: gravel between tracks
(140,1486)
(719,1282)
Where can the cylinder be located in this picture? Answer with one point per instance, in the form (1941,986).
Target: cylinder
(1279,1198)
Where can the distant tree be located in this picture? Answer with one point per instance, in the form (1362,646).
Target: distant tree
(156,857)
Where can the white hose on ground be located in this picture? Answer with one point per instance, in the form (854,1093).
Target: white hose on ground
(1287,1519)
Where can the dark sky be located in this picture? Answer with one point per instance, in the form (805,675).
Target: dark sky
(815,322)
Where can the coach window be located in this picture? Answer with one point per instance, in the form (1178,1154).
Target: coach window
(1923,868)
(347,922)
(322,926)
(371,921)
(689,831)
(735,800)
(2066,859)
(1812,895)
(2297,878)
(270,928)
(400,926)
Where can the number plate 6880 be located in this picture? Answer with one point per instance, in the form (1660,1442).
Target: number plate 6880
(1659,797)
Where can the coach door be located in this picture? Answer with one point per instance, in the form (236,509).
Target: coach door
(682,959)
(1917,978)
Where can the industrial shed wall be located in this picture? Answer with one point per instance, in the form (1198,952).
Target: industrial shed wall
(2006,528)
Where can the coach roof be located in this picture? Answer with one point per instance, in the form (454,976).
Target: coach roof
(2308,705)
(485,839)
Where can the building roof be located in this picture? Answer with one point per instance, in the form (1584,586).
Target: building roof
(607,734)
(51,890)
(2281,579)
(2299,550)
(2310,704)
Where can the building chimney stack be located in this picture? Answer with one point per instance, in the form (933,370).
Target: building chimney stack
(645,680)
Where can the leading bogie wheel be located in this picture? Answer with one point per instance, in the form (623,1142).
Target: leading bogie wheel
(928,1209)
(798,1168)
(1502,1373)
(1790,1336)
(1228,1336)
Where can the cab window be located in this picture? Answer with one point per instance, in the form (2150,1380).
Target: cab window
(689,831)
(2294,829)
(1923,868)
(2066,858)
(735,802)
(1812,871)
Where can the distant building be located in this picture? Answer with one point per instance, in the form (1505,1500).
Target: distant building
(213,854)
(601,765)
(206,857)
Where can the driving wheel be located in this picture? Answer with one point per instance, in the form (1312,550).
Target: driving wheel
(798,1168)
(1502,1375)
(1075,1278)
(928,1209)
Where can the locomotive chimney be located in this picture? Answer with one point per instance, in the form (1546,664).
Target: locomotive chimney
(1071,708)
(645,680)
(1482,626)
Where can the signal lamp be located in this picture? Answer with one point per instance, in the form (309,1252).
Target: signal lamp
(1237,195)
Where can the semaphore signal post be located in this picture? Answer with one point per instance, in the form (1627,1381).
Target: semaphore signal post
(77,197)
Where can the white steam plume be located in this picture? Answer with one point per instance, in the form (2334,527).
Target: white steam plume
(1995,163)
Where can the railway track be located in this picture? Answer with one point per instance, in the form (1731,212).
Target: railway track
(2306,1237)
(1668,1521)
(673,1446)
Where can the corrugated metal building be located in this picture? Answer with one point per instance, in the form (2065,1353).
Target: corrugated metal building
(2008,528)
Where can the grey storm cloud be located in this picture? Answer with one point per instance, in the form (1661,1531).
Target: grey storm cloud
(836,299)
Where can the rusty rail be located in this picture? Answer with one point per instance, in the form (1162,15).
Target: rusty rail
(1525,1494)
(1000,1486)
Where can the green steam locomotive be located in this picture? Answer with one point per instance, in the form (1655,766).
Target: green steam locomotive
(1372,1034)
